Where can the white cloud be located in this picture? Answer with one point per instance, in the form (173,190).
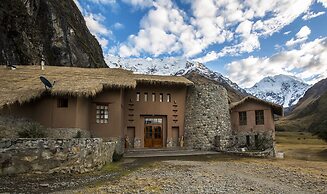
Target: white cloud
(139,3)
(309,62)
(103,1)
(309,15)
(78,5)
(101,32)
(239,24)
(300,37)
(323,2)
(287,32)
(118,26)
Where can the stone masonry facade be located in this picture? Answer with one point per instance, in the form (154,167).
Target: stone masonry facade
(207,118)
(77,155)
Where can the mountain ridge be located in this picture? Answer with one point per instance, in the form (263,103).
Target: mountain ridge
(280,89)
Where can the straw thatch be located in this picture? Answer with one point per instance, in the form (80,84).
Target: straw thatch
(23,84)
(277,109)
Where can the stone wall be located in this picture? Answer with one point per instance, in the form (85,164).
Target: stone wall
(207,117)
(54,155)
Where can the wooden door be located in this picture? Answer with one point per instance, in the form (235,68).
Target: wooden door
(153,132)
(175,131)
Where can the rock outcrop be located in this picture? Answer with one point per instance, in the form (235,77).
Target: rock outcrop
(54,29)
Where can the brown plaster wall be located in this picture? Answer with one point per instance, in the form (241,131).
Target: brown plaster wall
(250,108)
(136,111)
(112,98)
(46,112)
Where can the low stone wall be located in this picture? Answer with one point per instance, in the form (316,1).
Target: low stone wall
(77,155)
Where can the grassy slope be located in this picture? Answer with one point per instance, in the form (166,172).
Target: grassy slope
(311,118)
(301,145)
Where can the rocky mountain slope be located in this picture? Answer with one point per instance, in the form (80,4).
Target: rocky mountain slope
(55,29)
(310,113)
(175,66)
(280,89)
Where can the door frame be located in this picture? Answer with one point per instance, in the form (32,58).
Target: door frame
(152,128)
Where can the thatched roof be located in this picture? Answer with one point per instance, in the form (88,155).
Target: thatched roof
(277,109)
(23,84)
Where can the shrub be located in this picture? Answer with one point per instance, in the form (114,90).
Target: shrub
(32,130)
(78,134)
(116,156)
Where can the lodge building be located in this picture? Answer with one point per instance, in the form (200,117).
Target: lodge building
(145,111)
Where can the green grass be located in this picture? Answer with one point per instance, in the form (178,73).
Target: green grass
(301,145)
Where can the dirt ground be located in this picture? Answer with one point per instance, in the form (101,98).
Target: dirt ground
(197,174)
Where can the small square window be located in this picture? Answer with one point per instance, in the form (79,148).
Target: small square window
(102,114)
(62,103)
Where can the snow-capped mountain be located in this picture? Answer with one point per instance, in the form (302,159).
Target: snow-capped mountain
(280,89)
(169,66)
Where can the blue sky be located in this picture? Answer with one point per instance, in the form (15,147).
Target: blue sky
(244,40)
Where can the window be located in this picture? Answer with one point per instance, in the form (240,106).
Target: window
(153,97)
(145,97)
(62,103)
(168,98)
(161,97)
(242,118)
(153,121)
(102,114)
(137,96)
(259,117)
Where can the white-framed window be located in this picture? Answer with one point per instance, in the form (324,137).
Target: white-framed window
(102,113)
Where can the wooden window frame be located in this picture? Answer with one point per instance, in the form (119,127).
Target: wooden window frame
(102,113)
(242,116)
(259,117)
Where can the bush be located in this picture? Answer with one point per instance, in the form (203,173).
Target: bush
(78,134)
(32,130)
(116,156)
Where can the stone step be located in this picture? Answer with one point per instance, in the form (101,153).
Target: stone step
(142,153)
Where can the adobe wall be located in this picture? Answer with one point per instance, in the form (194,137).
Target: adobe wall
(54,155)
(207,118)
(250,108)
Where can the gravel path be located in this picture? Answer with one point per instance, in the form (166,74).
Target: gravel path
(249,176)
(200,174)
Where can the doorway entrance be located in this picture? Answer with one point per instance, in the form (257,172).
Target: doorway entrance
(153,132)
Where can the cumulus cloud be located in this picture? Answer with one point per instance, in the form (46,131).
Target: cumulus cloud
(300,37)
(103,1)
(118,26)
(139,3)
(308,63)
(93,22)
(238,24)
(309,15)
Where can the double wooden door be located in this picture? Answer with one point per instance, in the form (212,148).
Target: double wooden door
(153,133)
